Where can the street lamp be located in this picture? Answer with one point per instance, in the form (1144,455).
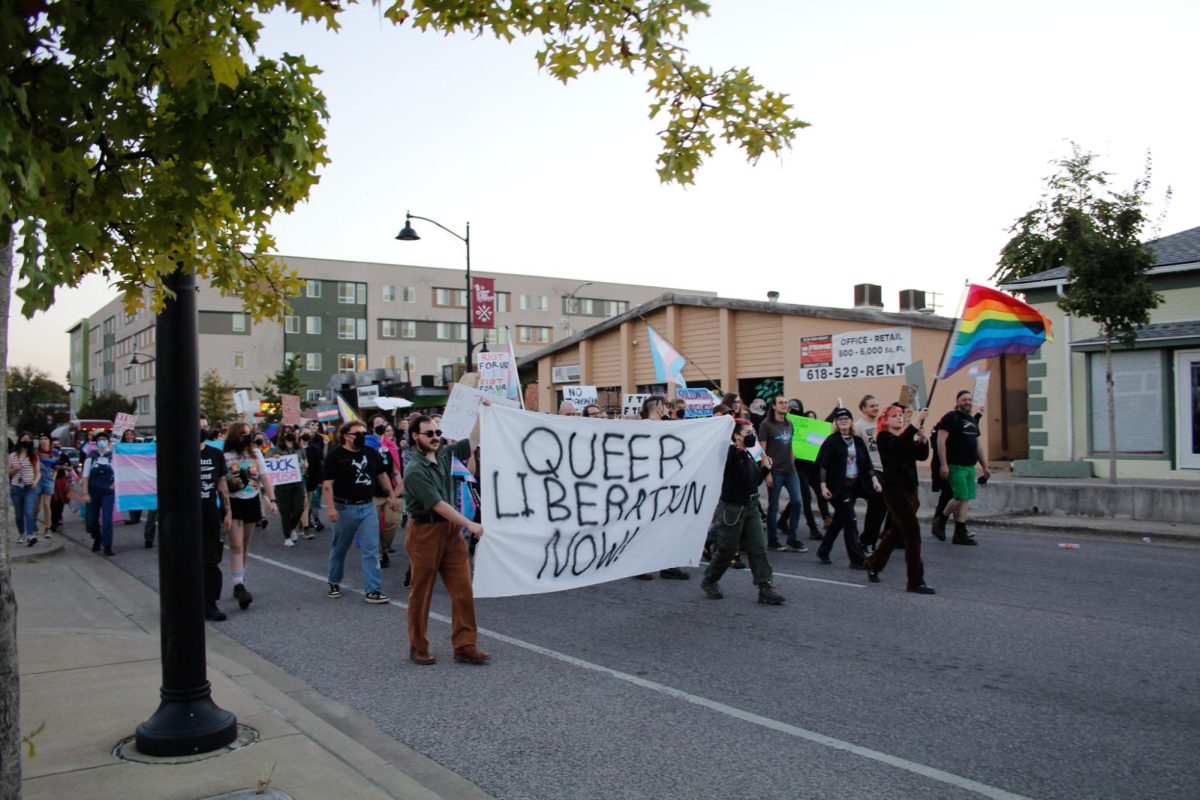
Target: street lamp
(407,234)
(145,359)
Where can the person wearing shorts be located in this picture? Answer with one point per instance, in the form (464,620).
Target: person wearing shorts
(959,448)
(247,478)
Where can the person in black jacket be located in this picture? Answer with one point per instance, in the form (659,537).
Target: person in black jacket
(901,446)
(846,474)
(738,520)
(314,453)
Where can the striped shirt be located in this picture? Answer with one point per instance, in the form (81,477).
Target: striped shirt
(24,474)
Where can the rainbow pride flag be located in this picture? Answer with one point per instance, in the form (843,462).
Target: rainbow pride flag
(993,324)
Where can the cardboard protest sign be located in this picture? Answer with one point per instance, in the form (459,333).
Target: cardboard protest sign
(290,408)
(462,409)
(581,396)
(699,402)
(807,436)
(631,404)
(123,422)
(572,501)
(283,469)
(983,382)
(135,476)
(913,393)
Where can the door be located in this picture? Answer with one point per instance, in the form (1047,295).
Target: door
(1187,408)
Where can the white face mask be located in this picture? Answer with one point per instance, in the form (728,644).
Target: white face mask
(102,445)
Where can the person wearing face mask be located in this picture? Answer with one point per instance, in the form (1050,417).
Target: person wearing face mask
(24,476)
(213,486)
(291,495)
(247,480)
(739,522)
(384,442)
(315,452)
(99,481)
(846,473)
(352,472)
(47,460)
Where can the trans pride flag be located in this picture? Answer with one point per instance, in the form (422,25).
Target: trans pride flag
(668,363)
(994,323)
(135,469)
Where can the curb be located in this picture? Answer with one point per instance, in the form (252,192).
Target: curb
(1159,536)
(19,552)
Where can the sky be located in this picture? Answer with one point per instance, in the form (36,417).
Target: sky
(934,123)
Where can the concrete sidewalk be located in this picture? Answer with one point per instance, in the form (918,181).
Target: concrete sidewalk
(88,638)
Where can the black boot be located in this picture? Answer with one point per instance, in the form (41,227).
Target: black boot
(961,536)
(212,612)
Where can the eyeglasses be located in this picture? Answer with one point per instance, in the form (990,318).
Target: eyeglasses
(429,433)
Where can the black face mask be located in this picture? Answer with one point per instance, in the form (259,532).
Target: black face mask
(359,438)
(379,429)
(749,440)
(247,441)
(204,434)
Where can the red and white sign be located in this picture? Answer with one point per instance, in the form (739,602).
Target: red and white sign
(483,302)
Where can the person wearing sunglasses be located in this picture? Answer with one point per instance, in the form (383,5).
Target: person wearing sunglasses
(434,544)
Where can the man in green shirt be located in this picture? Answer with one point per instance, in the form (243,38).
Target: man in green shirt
(434,544)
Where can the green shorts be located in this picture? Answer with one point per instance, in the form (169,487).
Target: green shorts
(962,482)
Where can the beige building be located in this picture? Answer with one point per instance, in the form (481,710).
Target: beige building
(353,324)
(1156,382)
(759,348)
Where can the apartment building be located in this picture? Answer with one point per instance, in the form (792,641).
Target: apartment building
(350,318)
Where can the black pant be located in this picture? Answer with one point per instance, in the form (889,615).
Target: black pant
(874,522)
(843,518)
(210,535)
(902,505)
(151,526)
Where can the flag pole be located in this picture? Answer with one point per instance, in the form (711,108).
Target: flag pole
(512,356)
(711,382)
(962,300)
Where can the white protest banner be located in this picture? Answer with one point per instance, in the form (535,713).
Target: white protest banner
(462,409)
(573,501)
(699,402)
(290,404)
(123,422)
(983,382)
(495,370)
(581,396)
(367,395)
(631,404)
(241,402)
(876,353)
(283,469)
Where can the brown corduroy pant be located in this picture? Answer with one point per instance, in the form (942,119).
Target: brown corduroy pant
(439,547)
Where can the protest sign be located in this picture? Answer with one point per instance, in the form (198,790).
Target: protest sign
(631,404)
(913,392)
(807,436)
(875,353)
(123,422)
(495,373)
(699,402)
(135,476)
(283,469)
(580,396)
(983,382)
(572,501)
(462,409)
(241,402)
(367,395)
(290,404)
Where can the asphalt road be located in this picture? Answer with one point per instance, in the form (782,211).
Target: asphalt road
(1035,672)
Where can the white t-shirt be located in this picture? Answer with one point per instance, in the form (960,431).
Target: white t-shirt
(865,430)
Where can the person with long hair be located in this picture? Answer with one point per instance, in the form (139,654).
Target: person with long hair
(24,477)
(47,454)
(247,480)
(901,446)
(291,496)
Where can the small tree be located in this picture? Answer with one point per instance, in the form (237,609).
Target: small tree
(216,399)
(286,381)
(106,406)
(1097,234)
(35,401)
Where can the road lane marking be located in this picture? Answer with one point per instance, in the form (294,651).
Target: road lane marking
(923,770)
(819,580)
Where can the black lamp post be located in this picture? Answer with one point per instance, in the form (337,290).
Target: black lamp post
(407,234)
(187,720)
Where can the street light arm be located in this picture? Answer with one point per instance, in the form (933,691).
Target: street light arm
(464,239)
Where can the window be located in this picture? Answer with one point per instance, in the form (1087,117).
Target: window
(408,329)
(496,337)
(312,395)
(352,293)
(452,331)
(360,330)
(389,362)
(450,298)
(345,328)
(438,376)
(1138,397)
(360,362)
(312,362)
(110,326)
(128,376)
(287,357)
(410,294)
(389,293)
(349,362)
(291,324)
(387,328)
(239,360)
(239,323)
(543,303)
(503,302)
(526,302)
(142,403)
(533,334)
(313,289)
(145,372)
(313,325)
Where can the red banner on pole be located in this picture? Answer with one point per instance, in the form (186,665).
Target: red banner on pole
(483,302)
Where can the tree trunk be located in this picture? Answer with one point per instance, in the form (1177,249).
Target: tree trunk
(1112,412)
(10,673)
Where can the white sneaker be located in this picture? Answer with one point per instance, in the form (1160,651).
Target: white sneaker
(289,541)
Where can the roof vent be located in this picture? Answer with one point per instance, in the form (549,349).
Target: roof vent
(772,297)
(868,295)
(913,300)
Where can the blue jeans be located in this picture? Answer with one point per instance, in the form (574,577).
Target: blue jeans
(24,500)
(99,516)
(361,522)
(790,481)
